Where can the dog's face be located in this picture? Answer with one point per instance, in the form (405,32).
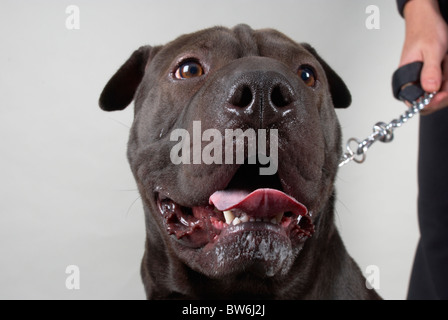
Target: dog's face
(222,218)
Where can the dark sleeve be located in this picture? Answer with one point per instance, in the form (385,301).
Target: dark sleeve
(443,5)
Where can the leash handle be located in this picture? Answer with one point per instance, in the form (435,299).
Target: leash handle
(406,87)
(406,82)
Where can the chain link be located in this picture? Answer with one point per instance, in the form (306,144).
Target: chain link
(356,149)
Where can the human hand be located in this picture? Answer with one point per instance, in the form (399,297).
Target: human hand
(427,40)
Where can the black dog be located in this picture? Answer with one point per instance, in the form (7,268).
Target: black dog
(221,230)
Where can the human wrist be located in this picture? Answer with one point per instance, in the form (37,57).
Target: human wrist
(412,7)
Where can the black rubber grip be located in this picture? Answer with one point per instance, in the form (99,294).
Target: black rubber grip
(406,82)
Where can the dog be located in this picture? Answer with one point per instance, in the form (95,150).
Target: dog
(222,230)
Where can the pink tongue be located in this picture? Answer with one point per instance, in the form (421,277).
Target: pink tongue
(261,203)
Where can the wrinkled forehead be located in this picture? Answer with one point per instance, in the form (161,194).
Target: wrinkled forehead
(239,42)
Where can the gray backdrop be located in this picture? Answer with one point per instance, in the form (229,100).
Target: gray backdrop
(67,194)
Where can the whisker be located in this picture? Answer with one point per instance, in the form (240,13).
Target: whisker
(127,190)
(337,213)
(118,121)
(132,204)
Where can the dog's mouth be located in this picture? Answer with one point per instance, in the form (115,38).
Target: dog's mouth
(251,206)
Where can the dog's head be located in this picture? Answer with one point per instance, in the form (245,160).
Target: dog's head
(200,98)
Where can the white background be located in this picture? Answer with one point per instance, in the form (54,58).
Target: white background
(67,193)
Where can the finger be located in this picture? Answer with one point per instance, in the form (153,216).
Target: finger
(439,101)
(431,77)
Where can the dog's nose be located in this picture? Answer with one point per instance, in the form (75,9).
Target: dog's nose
(262,96)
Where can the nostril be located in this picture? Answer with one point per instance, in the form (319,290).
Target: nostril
(280,96)
(242,97)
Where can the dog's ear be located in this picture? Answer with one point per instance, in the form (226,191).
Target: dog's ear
(120,90)
(339,92)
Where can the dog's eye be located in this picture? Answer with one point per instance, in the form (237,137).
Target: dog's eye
(188,70)
(308,76)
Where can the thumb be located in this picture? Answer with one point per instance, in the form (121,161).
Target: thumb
(431,77)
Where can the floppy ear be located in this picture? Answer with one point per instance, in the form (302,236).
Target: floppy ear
(339,92)
(120,90)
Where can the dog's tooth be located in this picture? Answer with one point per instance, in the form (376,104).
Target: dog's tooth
(244,218)
(298,219)
(236,221)
(229,216)
(258,220)
(274,221)
(279,217)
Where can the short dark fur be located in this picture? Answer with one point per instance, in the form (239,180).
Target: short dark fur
(310,148)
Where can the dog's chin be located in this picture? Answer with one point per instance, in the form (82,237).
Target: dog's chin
(258,249)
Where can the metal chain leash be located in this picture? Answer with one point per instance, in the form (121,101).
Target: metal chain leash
(382,132)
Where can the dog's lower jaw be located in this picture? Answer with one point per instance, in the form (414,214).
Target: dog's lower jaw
(309,277)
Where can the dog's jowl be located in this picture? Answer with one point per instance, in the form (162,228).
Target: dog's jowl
(219,229)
